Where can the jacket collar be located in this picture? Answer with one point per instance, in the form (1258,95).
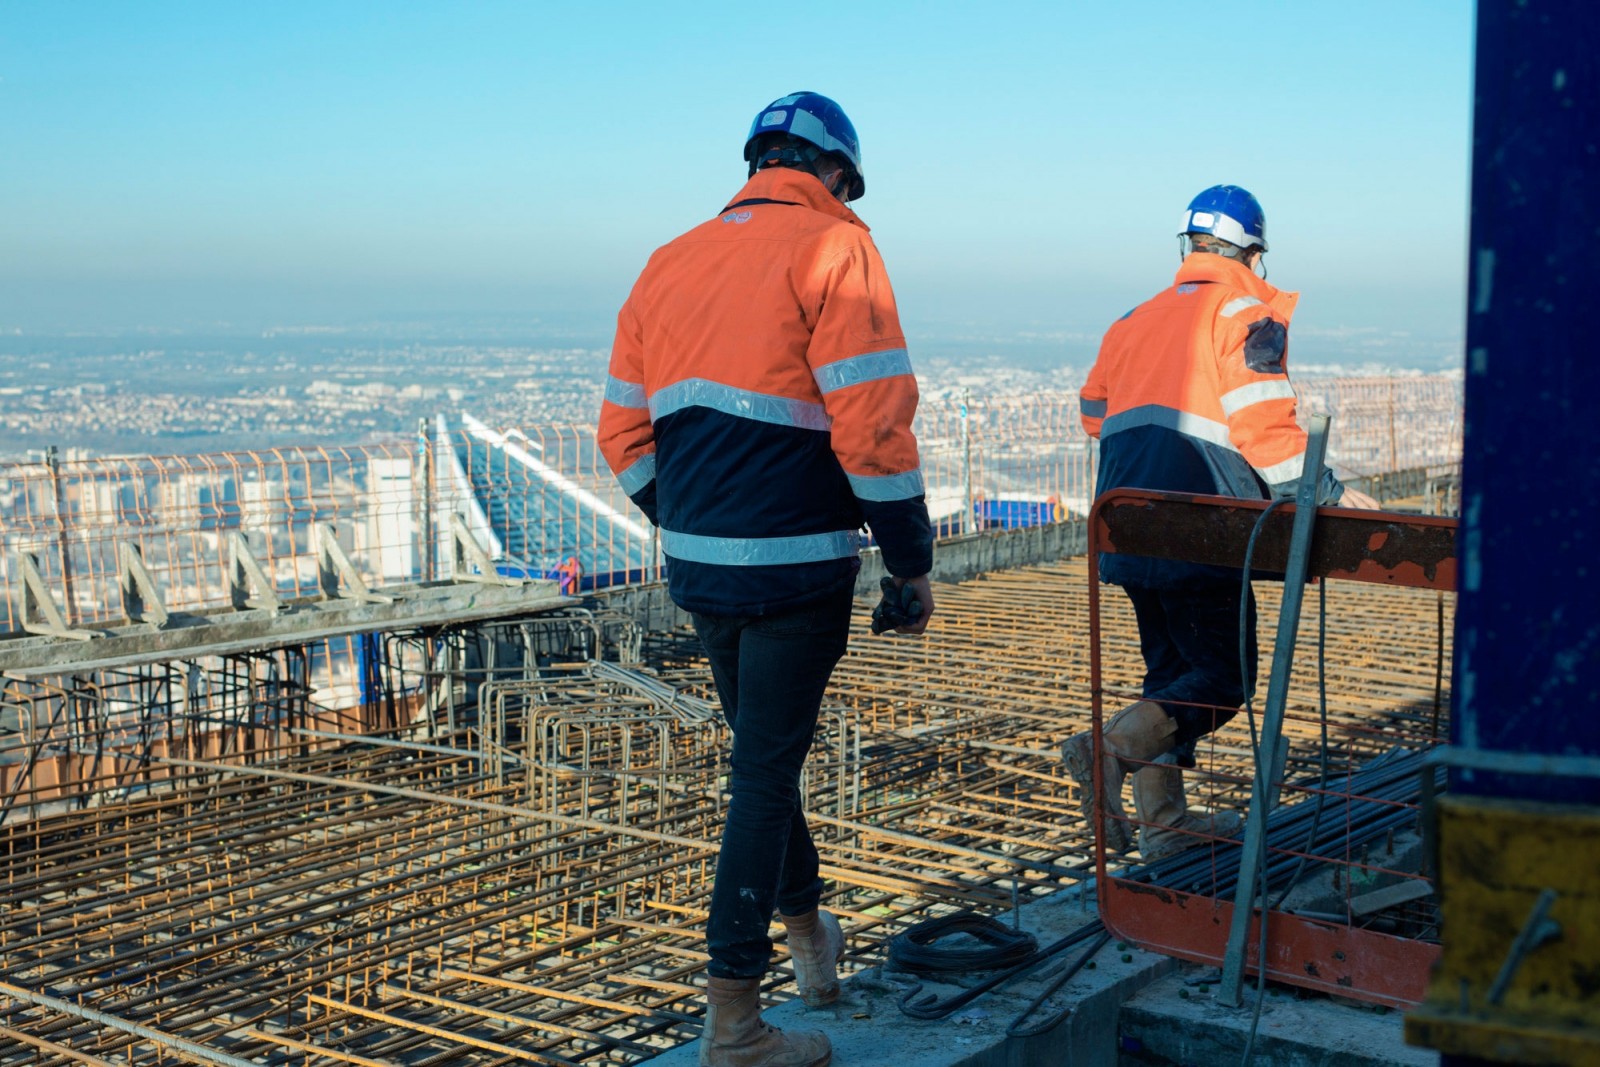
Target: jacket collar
(795,187)
(1209,267)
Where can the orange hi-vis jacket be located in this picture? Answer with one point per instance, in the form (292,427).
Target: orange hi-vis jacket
(760,401)
(1190,393)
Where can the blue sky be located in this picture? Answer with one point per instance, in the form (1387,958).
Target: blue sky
(175,164)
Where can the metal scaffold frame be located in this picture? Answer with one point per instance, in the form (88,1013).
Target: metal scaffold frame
(1374,742)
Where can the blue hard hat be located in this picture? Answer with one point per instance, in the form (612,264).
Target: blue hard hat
(817,120)
(1229,213)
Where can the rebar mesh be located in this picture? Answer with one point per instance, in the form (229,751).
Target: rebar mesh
(420,896)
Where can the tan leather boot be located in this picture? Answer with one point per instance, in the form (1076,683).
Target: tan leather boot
(816,944)
(1140,731)
(1170,827)
(735,1035)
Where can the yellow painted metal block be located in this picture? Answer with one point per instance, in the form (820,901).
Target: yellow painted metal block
(1496,858)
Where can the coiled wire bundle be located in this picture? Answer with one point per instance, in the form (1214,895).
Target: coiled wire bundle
(918,951)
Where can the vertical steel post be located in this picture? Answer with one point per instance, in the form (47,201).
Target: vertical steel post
(430,551)
(1527,666)
(1272,753)
(969,521)
(1527,645)
(1394,439)
(58,494)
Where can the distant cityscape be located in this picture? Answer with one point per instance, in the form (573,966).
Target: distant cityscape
(228,396)
(181,394)
(184,445)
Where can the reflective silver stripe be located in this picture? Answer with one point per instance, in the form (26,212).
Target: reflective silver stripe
(638,474)
(1200,427)
(808,126)
(1287,471)
(887,486)
(745,403)
(760,551)
(1155,415)
(624,394)
(1236,305)
(864,368)
(1238,399)
(1092,409)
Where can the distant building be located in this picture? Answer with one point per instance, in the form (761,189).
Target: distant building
(388,538)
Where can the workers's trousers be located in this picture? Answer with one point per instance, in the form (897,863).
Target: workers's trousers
(770,673)
(1190,639)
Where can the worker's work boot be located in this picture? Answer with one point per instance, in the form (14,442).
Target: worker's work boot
(735,1035)
(816,944)
(1140,731)
(1169,826)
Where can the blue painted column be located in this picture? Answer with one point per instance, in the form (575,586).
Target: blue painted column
(1527,667)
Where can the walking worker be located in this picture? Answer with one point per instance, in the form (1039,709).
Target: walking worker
(1190,393)
(758,411)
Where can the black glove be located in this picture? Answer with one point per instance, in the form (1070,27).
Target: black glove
(899,606)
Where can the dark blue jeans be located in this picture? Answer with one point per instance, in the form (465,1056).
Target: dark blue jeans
(770,672)
(1190,641)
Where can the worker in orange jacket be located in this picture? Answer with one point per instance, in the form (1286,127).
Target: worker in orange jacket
(1190,393)
(758,411)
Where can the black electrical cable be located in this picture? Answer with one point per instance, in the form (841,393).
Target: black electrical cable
(1322,757)
(1255,747)
(1247,685)
(1311,834)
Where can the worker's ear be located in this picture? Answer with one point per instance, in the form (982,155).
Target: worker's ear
(832,175)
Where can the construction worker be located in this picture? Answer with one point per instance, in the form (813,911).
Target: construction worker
(758,411)
(1190,393)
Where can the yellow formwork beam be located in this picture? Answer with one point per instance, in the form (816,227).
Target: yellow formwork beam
(1518,980)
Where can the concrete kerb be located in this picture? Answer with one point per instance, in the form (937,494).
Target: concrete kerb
(1178,1020)
(1131,1007)
(867,1028)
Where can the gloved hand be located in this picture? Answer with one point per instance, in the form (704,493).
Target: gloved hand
(899,606)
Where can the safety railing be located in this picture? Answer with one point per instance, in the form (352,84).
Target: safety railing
(1388,424)
(541,500)
(1345,902)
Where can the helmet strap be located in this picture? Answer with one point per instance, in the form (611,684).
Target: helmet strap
(799,155)
(1214,246)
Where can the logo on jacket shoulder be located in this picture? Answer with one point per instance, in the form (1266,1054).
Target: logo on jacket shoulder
(1187,288)
(737,217)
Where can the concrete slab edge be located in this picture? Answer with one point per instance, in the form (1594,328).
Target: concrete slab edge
(867,1028)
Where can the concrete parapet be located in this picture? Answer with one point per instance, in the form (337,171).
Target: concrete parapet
(955,559)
